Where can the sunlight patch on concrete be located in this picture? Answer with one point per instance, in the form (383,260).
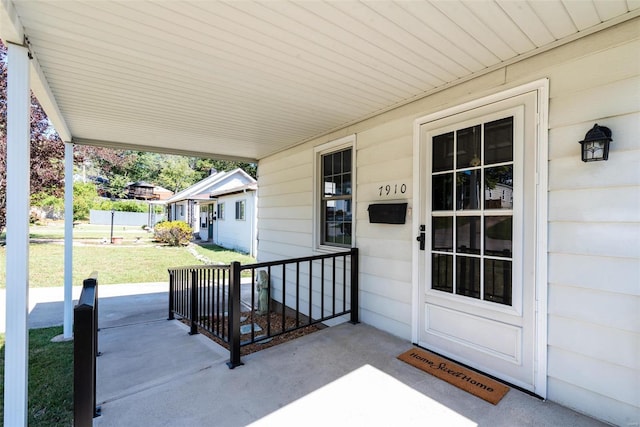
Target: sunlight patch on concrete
(366,396)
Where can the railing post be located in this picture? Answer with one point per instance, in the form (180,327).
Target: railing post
(194,302)
(355,308)
(171,291)
(85,351)
(234,316)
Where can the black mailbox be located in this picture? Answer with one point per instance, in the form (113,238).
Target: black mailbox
(388,213)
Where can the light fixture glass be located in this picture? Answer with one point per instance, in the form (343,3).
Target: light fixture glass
(595,145)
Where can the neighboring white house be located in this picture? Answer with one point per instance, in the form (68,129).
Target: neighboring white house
(221,208)
(539,284)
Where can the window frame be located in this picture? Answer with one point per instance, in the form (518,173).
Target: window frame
(220,212)
(347,142)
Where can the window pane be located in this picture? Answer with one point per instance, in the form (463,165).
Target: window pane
(468,149)
(442,152)
(337,185)
(337,224)
(498,236)
(327,166)
(468,276)
(442,272)
(336,160)
(498,187)
(329,187)
(468,234)
(442,192)
(442,234)
(346,161)
(497,281)
(346,184)
(498,141)
(468,190)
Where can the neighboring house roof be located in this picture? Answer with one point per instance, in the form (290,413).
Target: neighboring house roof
(141,184)
(248,187)
(224,182)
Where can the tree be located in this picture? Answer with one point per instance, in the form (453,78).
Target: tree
(47,149)
(176,174)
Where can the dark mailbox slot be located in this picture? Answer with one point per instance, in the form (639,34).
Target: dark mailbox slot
(388,213)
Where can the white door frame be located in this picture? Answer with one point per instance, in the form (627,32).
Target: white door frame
(541,87)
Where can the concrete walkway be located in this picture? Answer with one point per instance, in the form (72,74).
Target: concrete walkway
(152,373)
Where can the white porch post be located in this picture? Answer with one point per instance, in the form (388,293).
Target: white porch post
(18,180)
(68,241)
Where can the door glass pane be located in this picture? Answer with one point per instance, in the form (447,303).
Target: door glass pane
(468,276)
(468,190)
(498,187)
(442,152)
(442,272)
(471,187)
(468,149)
(442,192)
(468,234)
(498,141)
(497,281)
(442,234)
(498,236)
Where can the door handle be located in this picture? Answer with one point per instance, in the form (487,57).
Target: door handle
(422,237)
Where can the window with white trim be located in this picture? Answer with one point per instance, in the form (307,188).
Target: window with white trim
(240,208)
(335,193)
(220,211)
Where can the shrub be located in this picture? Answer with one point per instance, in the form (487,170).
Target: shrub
(123,205)
(84,196)
(174,233)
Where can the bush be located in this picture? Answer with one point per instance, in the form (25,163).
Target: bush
(123,206)
(174,233)
(84,197)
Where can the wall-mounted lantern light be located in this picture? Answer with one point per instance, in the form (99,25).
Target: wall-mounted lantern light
(595,145)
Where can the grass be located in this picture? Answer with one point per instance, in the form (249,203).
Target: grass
(50,379)
(82,231)
(223,255)
(114,263)
(135,261)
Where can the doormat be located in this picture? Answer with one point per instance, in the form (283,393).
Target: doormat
(466,379)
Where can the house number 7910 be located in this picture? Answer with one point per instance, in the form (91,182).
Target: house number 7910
(387,190)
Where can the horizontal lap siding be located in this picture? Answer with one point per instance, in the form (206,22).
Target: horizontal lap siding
(593,209)
(594,235)
(285,206)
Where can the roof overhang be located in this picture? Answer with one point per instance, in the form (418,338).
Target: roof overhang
(243,80)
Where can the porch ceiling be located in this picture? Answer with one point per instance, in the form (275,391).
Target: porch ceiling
(243,79)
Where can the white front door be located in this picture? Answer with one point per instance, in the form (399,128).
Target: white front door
(477,184)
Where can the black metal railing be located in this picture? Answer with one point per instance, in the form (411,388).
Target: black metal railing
(85,351)
(271,298)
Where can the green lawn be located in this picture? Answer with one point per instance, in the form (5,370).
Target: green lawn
(50,379)
(220,254)
(114,263)
(133,261)
(83,231)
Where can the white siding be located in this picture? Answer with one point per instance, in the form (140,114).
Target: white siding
(594,216)
(233,233)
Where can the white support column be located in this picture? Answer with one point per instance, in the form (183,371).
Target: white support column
(18,180)
(68,241)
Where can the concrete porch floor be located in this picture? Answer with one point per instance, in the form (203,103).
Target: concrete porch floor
(153,373)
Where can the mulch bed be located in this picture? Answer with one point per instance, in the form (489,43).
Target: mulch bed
(275,320)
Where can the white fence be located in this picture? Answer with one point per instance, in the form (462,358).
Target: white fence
(125,218)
